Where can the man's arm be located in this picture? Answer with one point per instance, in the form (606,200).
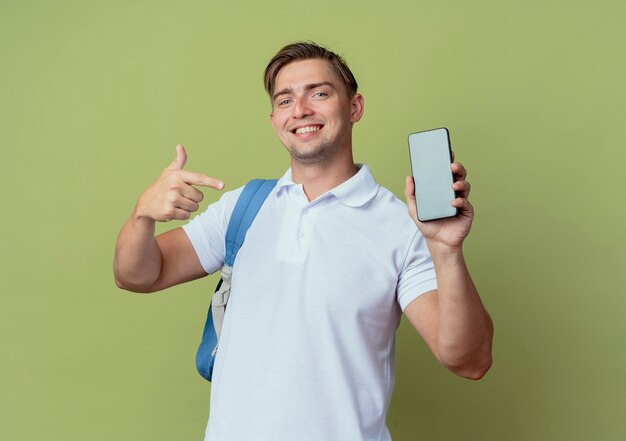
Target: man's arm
(144,263)
(452,319)
(454,324)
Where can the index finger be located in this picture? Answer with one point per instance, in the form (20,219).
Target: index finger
(200,179)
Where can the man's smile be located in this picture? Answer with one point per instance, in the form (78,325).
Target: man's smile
(306,129)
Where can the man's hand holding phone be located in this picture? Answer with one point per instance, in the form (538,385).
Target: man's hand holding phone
(451,231)
(173,196)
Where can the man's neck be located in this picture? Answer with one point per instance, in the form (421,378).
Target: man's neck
(317,179)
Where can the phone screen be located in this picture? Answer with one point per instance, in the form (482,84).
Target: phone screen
(430,162)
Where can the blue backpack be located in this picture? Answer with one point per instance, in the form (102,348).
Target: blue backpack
(248,205)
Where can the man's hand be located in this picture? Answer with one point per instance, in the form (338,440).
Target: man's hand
(172,196)
(448,232)
(144,263)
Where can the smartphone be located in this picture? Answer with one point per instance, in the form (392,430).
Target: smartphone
(431,157)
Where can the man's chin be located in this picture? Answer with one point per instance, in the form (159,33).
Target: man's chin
(308,155)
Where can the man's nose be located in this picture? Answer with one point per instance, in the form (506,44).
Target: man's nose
(301,108)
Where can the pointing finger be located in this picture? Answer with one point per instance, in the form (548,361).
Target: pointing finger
(200,179)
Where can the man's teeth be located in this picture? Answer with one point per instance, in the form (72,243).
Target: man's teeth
(308,129)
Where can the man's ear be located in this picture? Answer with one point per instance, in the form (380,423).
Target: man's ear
(357,107)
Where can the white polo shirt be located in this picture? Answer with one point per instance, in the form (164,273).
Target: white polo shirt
(307,345)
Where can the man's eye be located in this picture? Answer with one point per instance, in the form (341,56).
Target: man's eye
(320,94)
(283,102)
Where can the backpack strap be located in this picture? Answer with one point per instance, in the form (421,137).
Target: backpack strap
(248,205)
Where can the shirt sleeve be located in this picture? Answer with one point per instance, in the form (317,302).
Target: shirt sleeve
(207,231)
(418,272)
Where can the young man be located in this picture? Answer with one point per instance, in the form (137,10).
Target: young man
(331,261)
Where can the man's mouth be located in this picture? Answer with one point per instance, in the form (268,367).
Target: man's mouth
(307,129)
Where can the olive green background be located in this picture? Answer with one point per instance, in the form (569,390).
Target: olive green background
(94,96)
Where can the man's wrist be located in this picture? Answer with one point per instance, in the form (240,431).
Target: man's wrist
(142,221)
(442,253)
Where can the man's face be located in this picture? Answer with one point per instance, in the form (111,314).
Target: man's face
(311,111)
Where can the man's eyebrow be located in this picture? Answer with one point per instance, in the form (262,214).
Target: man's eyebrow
(288,90)
(316,85)
(285,91)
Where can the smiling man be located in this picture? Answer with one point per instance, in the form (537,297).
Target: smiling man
(329,265)
(314,137)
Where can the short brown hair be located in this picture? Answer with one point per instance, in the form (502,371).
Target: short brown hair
(306,50)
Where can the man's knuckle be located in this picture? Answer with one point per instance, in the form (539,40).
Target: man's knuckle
(172,196)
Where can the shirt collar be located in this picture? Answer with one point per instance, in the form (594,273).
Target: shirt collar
(355,192)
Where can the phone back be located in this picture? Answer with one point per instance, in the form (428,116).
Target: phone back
(430,162)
